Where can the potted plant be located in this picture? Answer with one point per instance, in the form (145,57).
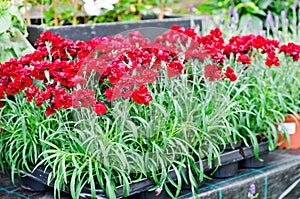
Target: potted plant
(289,127)
(157,138)
(13,42)
(123,16)
(120,110)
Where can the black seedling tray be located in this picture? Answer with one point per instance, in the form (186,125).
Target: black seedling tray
(145,184)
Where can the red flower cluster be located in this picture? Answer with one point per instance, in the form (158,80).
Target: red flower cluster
(292,50)
(127,63)
(124,66)
(243,48)
(212,72)
(230,74)
(55,62)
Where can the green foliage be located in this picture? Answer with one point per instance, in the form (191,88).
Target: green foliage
(256,10)
(188,120)
(12,42)
(273,92)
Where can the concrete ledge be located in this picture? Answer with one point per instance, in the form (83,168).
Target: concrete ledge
(270,181)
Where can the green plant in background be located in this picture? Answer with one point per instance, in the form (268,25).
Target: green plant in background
(62,12)
(256,11)
(124,10)
(132,10)
(68,12)
(12,41)
(274,92)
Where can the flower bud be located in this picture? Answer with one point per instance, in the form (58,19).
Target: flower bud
(294,7)
(158,191)
(269,20)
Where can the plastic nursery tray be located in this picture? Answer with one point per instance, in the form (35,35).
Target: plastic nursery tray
(145,184)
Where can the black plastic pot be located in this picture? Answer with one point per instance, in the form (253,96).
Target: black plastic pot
(86,32)
(35,181)
(148,17)
(254,162)
(229,160)
(33,184)
(187,185)
(226,171)
(236,145)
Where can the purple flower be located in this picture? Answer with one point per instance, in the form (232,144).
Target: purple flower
(230,9)
(251,189)
(235,15)
(295,4)
(252,193)
(269,20)
(276,22)
(286,23)
(191,9)
(283,15)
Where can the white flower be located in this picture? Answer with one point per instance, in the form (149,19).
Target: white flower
(93,7)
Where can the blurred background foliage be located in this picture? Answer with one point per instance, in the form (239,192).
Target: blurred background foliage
(257,10)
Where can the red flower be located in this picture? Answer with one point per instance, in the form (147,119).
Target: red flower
(174,68)
(149,76)
(230,74)
(100,108)
(79,80)
(258,42)
(50,110)
(216,33)
(109,94)
(190,32)
(62,99)
(142,95)
(176,28)
(31,92)
(158,191)
(43,96)
(291,49)
(244,59)
(272,60)
(83,98)
(212,72)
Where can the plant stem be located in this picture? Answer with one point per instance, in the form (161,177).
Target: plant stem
(162,7)
(55,14)
(139,12)
(74,13)
(42,12)
(27,13)
(119,15)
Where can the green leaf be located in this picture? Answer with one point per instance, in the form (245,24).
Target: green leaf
(253,9)
(264,4)
(110,192)
(13,10)
(48,15)
(207,8)
(252,25)
(5,22)
(5,41)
